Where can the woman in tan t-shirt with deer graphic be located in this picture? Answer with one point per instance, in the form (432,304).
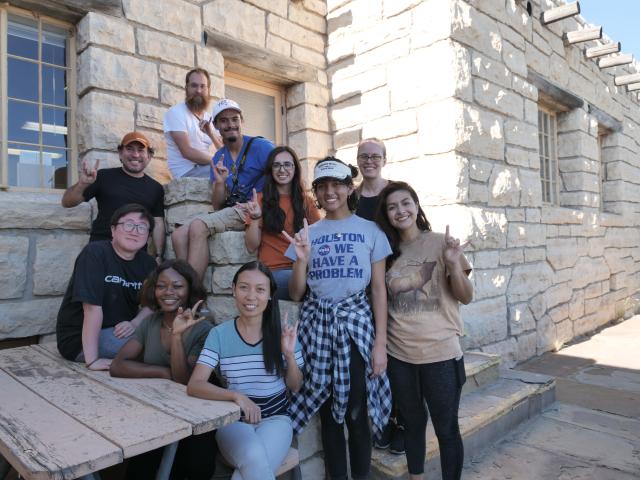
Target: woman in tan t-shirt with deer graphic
(427,278)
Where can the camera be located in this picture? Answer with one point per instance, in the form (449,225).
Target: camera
(233,198)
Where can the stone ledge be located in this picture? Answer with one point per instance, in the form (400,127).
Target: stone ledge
(42,210)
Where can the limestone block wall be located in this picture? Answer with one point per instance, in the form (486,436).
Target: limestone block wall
(448,85)
(39,241)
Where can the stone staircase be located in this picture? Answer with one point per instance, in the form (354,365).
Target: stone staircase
(494,401)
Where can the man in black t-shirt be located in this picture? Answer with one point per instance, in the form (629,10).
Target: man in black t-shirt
(114,187)
(100,307)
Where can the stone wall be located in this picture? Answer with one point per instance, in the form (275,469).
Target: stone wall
(450,86)
(39,241)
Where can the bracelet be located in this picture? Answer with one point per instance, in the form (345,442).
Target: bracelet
(89,364)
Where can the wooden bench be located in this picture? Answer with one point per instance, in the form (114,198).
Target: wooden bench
(290,464)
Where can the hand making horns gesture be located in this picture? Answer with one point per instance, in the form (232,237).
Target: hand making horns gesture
(186,318)
(300,242)
(452,249)
(220,170)
(87,174)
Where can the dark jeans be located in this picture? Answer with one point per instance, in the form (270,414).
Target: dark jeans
(357,420)
(439,385)
(195,460)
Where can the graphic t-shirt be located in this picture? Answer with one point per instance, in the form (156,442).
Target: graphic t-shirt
(242,365)
(342,252)
(424,319)
(113,189)
(251,175)
(180,119)
(273,245)
(148,334)
(100,277)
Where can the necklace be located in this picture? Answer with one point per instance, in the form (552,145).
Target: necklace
(167,327)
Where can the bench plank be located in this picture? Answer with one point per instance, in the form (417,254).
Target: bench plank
(41,442)
(170,397)
(133,426)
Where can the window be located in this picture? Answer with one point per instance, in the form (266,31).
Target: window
(548,150)
(262,106)
(602,133)
(36,102)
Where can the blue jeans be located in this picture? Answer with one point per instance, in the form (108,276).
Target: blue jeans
(108,344)
(282,277)
(256,450)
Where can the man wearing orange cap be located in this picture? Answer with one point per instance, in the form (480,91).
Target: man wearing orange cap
(114,187)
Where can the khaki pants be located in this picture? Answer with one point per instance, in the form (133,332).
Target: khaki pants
(222,220)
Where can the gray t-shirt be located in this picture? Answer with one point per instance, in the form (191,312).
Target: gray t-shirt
(148,334)
(342,252)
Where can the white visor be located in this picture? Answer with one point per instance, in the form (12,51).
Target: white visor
(331,169)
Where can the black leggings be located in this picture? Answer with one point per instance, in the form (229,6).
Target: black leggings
(439,385)
(357,421)
(195,460)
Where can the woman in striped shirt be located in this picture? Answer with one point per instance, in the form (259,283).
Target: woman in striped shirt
(260,359)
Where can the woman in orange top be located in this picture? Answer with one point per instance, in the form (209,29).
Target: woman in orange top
(281,206)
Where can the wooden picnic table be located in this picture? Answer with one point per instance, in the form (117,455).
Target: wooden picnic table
(59,420)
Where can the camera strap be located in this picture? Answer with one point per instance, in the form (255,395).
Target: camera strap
(241,165)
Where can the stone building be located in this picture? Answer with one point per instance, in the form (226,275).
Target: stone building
(510,134)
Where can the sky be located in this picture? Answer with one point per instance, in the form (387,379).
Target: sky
(618,19)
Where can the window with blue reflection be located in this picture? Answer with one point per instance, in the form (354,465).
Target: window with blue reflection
(22,37)
(37,103)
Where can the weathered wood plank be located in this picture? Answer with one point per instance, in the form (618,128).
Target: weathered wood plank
(169,397)
(133,426)
(41,442)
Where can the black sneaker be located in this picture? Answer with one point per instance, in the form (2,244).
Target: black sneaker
(385,438)
(397,440)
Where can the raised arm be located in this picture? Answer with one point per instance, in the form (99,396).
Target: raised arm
(461,286)
(253,233)
(219,187)
(180,365)
(73,195)
(298,280)
(293,375)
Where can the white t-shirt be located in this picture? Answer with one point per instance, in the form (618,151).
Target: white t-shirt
(180,119)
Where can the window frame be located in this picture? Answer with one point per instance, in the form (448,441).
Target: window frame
(271,89)
(549,168)
(602,168)
(72,164)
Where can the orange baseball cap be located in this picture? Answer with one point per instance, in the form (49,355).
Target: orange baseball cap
(135,137)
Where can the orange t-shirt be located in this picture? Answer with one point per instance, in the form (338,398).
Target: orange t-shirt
(273,246)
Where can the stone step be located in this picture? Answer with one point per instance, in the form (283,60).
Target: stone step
(486,415)
(481,369)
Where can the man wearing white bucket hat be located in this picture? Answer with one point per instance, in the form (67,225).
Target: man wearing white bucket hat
(237,169)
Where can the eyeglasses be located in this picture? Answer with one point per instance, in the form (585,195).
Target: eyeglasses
(282,166)
(374,158)
(129,227)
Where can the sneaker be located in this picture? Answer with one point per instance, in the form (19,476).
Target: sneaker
(397,440)
(385,438)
